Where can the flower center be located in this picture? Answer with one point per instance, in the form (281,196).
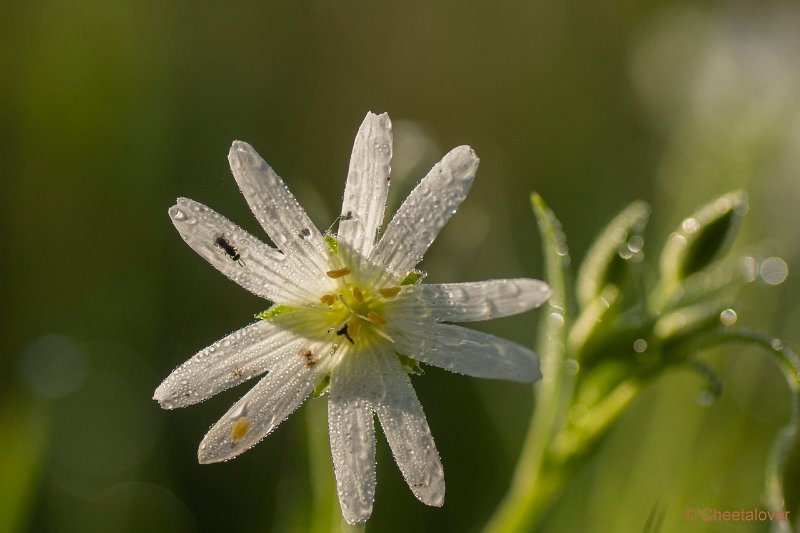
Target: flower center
(357,309)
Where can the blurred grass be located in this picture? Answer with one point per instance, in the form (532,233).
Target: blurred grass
(108,111)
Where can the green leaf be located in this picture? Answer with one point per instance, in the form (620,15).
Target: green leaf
(410,365)
(604,263)
(702,237)
(594,322)
(274,311)
(680,324)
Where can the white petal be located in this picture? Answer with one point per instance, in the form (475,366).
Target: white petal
(240,356)
(467,302)
(261,410)
(278,212)
(260,269)
(366,189)
(465,351)
(423,214)
(352,434)
(407,431)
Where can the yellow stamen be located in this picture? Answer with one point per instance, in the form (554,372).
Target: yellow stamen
(376,318)
(352,328)
(240,428)
(338,273)
(328,299)
(389,292)
(358,295)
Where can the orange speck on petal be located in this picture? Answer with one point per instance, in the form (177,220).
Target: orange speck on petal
(240,428)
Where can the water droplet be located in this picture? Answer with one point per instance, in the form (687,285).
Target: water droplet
(639,345)
(728,317)
(178,214)
(557,318)
(774,270)
(776,344)
(749,269)
(636,243)
(572,366)
(706,398)
(690,225)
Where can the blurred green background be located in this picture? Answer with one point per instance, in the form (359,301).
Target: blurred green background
(110,110)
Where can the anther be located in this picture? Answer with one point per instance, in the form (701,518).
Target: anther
(352,328)
(389,292)
(338,273)
(328,299)
(375,318)
(358,295)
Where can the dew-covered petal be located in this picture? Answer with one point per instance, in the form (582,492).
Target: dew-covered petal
(465,351)
(423,214)
(407,432)
(352,434)
(367,186)
(258,268)
(262,409)
(467,302)
(240,356)
(278,212)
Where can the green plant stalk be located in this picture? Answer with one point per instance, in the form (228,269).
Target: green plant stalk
(514,511)
(785,440)
(326,517)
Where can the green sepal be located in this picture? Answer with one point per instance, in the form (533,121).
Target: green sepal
(605,262)
(594,322)
(702,237)
(680,324)
(332,243)
(413,277)
(274,311)
(323,386)
(410,365)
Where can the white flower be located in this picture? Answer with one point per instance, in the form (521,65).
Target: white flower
(345,314)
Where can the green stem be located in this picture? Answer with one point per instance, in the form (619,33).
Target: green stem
(326,517)
(784,442)
(553,393)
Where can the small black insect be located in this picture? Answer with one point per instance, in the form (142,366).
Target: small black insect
(305,233)
(228,248)
(347,216)
(343,331)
